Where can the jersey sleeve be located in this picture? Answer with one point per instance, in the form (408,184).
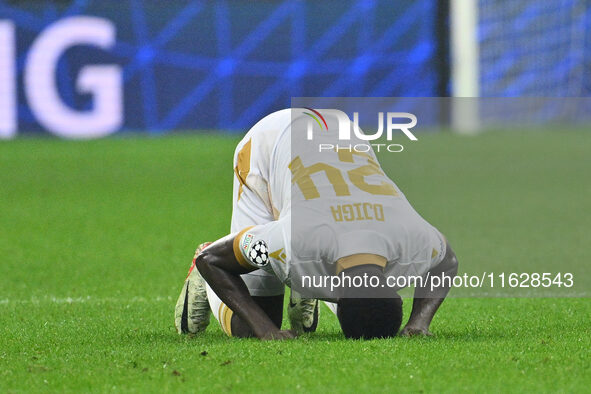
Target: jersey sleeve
(261,246)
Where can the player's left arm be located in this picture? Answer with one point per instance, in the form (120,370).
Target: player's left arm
(221,268)
(427,301)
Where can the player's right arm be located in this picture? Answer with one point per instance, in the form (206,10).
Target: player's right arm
(221,265)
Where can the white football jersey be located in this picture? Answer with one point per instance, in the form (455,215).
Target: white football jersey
(326,203)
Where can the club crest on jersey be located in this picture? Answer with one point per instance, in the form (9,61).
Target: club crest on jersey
(259,254)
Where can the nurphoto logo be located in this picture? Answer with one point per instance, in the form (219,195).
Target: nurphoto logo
(395,121)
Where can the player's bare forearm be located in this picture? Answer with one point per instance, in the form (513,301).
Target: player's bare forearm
(218,266)
(427,301)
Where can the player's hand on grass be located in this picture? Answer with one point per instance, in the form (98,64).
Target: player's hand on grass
(412,331)
(279,335)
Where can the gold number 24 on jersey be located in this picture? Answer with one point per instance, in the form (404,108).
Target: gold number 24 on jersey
(302,176)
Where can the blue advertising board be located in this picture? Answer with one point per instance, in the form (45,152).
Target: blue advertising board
(82,69)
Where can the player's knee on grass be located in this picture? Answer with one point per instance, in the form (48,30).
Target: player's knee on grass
(370,312)
(273,307)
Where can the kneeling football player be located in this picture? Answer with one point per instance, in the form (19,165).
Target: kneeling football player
(251,206)
(320,213)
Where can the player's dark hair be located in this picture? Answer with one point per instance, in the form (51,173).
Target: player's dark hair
(369,318)
(363,317)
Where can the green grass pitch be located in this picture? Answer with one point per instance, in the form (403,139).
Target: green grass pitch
(96,238)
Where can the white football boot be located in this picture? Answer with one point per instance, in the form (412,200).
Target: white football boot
(302,313)
(192,313)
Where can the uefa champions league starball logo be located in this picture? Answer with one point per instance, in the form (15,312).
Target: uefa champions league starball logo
(259,254)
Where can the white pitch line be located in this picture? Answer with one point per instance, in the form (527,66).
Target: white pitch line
(87,299)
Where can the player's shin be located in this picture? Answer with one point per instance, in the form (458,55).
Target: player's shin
(220,311)
(233,325)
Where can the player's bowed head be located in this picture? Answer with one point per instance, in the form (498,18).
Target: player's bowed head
(367,313)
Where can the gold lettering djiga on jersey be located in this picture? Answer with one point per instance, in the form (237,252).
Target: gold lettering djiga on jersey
(357,211)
